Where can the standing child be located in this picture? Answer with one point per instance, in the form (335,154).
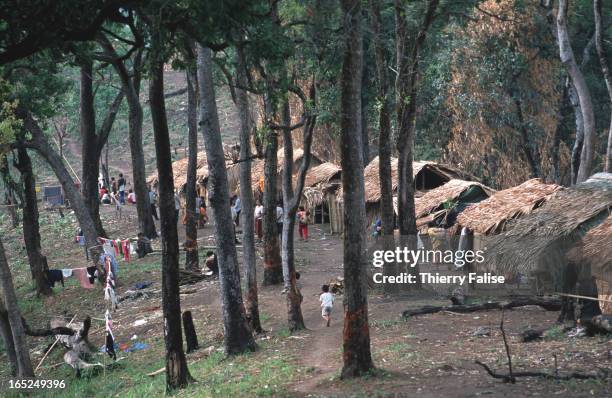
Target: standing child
(302,216)
(327,302)
(121,185)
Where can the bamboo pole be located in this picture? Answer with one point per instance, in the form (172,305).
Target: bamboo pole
(584,297)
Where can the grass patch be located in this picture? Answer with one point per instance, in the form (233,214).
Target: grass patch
(387,323)
(554,333)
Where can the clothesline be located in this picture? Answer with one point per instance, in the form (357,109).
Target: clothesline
(116,246)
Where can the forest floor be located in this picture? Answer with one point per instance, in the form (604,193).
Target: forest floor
(432,355)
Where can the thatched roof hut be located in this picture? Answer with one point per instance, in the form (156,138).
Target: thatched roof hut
(453,191)
(322,174)
(595,252)
(320,181)
(491,215)
(257,167)
(426,174)
(539,242)
(179,170)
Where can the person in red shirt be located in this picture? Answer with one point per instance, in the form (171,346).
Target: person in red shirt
(103,190)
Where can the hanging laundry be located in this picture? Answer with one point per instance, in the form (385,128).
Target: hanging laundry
(114,265)
(92,273)
(126,249)
(81,275)
(109,290)
(54,276)
(110,339)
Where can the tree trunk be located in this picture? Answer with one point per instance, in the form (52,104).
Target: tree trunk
(177,374)
(246,198)
(406,91)
(39,143)
(191,338)
(31,229)
(605,70)
(291,200)
(356,336)
(273,269)
(24,366)
(237,334)
(92,142)
(89,147)
(584,96)
(191,230)
(384,142)
(7,338)
(365,139)
(130,82)
(579,141)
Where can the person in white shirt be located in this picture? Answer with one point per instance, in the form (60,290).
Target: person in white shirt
(259,219)
(327,302)
(279,218)
(177,205)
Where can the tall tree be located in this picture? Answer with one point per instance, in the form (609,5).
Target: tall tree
(177,374)
(356,344)
(406,92)
(31,228)
(93,140)
(291,200)
(384,136)
(605,70)
(582,90)
(130,82)
(273,269)
(9,298)
(191,230)
(237,334)
(249,256)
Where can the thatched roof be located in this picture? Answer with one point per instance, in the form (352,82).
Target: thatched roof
(319,180)
(539,242)
(595,250)
(322,174)
(179,170)
(491,215)
(451,191)
(257,167)
(372,181)
(426,174)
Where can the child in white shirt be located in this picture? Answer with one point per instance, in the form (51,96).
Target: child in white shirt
(327,302)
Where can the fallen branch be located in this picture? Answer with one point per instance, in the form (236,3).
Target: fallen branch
(573,375)
(551,304)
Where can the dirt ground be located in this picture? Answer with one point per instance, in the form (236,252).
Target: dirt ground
(432,355)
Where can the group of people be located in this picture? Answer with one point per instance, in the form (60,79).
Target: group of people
(302,219)
(116,192)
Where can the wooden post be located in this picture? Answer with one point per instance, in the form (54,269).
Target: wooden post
(190,333)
